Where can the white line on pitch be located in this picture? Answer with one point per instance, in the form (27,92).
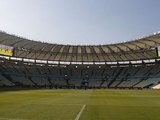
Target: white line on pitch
(80,112)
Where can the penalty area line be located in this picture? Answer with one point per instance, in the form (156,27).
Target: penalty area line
(80,112)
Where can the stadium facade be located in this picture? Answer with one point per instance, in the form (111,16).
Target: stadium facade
(28,63)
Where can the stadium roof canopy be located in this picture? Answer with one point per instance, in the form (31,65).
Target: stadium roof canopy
(139,49)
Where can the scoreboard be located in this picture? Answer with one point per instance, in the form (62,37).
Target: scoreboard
(6,50)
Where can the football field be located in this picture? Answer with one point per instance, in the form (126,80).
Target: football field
(80,105)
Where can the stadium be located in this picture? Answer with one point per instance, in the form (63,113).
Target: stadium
(44,81)
(31,64)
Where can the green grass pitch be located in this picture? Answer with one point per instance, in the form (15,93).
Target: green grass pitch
(67,104)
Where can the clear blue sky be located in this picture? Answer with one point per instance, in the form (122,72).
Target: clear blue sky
(80,21)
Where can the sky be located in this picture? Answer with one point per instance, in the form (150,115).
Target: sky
(80,22)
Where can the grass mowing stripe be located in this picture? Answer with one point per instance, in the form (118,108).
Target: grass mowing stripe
(80,112)
(11,119)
